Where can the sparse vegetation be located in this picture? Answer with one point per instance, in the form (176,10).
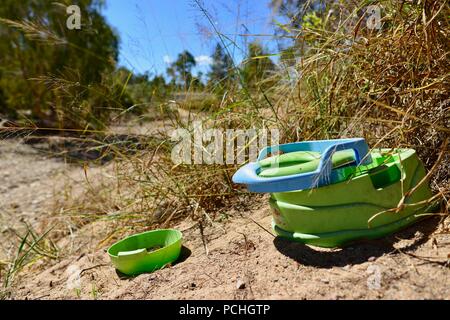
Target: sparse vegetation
(333,77)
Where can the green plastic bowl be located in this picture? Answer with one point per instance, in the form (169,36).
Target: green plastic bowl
(146,252)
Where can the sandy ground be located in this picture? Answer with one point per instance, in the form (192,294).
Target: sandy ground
(235,259)
(29,181)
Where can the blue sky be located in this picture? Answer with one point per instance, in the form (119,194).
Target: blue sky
(153,32)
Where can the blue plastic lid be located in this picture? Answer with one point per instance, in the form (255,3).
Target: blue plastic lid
(323,175)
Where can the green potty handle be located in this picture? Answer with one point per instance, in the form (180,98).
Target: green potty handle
(321,175)
(306,161)
(132,256)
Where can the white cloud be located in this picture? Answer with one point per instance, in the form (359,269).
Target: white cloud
(167,59)
(203,60)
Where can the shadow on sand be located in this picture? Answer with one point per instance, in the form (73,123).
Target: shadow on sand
(357,252)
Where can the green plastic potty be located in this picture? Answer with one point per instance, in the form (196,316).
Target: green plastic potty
(328,193)
(339,213)
(146,252)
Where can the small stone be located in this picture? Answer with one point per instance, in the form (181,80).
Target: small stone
(372,259)
(326,281)
(240,284)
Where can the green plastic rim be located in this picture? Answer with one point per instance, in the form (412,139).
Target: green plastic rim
(147,251)
(344,237)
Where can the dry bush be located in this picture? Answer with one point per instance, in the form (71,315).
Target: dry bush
(389,86)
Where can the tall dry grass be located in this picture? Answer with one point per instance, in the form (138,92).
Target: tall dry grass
(340,79)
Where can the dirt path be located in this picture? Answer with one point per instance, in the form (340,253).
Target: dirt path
(237,259)
(29,181)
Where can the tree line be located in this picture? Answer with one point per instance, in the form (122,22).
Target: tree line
(57,77)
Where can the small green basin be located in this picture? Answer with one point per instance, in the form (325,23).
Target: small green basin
(146,252)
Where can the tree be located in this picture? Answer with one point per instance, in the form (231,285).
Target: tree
(144,90)
(181,69)
(159,86)
(221,69)
(197,82)
(54,72)
(257,67)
